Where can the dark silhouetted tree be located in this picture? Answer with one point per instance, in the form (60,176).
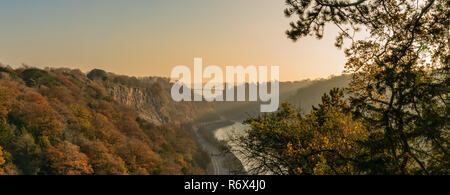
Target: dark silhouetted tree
(400,73)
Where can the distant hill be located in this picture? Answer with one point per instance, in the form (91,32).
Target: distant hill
(241,110)
(302,94)
(310,95)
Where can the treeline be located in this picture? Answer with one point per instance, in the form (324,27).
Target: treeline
(62,121)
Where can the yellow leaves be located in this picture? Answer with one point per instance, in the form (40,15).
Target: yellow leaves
(180,160)
(326,141)
(257,125)
(300,170)
(290,148)
(321,167)
(44,141)
(82,115)
(2,162)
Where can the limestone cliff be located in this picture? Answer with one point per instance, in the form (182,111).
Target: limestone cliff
(151,98)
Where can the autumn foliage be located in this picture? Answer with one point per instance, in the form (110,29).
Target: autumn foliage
(59,121)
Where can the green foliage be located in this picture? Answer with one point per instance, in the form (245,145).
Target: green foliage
(6,134)
(8,71)
(320,142)
(97,74)
(36,77)
(27,154)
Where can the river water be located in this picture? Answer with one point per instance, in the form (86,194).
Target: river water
(236,129)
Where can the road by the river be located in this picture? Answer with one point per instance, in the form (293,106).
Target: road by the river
(215,154)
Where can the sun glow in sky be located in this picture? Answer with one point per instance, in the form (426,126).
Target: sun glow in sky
(149,38)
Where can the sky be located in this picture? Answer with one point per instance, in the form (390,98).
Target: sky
(150,37)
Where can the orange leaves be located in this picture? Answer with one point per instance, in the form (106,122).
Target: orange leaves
(138,157)
(35,98)
(8,95)
(66,159)
(38,116)
(2,162)
(103,161)
(290,149)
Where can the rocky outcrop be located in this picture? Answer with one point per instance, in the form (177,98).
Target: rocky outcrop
(141,100)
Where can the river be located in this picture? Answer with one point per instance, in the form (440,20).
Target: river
(236,129)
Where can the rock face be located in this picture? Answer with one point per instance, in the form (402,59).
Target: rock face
(141,100)
(151,98)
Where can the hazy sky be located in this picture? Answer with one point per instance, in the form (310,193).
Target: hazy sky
(149,38)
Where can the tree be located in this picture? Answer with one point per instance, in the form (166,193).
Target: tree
(27,154)
(400,80)
(139,158)
(6,165)
(102,160)
(8,95)
(66,159)
(97,74)
(6,133)
(2,162)
(37,77)
(321,142)
(38,116)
